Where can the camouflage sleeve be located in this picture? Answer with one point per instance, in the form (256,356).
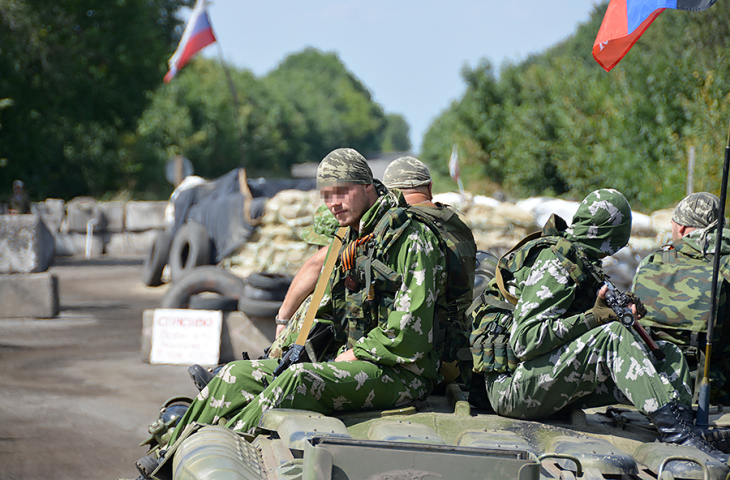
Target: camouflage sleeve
(648,259)
(546,293)
(408,336)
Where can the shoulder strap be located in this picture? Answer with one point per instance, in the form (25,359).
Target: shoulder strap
(498,272)
(321,285)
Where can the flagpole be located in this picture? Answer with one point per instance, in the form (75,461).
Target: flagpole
(703,403)
(234,94)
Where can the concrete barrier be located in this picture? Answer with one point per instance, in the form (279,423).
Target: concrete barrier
(26,245)
(79,212)
(113,213)
(30,295)
(139,216)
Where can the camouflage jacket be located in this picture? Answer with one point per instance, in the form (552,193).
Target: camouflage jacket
(384,305)
(457,242)
(553,288)
(674,283)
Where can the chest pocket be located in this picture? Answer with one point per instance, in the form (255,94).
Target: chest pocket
(368,305)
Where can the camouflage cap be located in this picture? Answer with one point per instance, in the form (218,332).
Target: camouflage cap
(406,172)
(324,226)
(602,224)
(698,210)
(344,165)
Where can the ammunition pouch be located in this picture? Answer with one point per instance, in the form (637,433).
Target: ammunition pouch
(490,348)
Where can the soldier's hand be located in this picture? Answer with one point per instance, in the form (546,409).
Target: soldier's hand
(640,308)
(601,311)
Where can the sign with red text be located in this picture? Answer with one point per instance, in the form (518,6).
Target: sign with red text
(186,337)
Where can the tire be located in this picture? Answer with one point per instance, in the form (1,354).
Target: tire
(218,302)
(199,280)
(269,281)
(190,248)
(156,260)
(259,308)
(259,294)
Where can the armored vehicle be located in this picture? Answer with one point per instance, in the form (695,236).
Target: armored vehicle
(443,437)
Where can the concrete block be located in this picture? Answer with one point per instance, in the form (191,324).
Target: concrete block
(74,244)
(52,212)
(129,242)
(80,211)
(26,245)
(239,334)
(24,295)
(140,216)
(113,213)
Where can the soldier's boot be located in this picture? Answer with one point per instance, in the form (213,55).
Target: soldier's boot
(148,464)
(676,425)
(201,376)
(718,437)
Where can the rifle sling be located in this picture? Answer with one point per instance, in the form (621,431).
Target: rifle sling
(321,285)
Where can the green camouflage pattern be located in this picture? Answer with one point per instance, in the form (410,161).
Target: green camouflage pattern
(698,210)
(343,166)
(602,224)
(406,172)
(390,332)
(674,284)
(324,226)
(562,354)
(457,243)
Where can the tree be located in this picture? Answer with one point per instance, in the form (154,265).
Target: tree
(336,106)
(396,135)
(76,74)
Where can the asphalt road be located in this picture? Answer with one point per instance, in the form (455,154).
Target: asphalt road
(75,396)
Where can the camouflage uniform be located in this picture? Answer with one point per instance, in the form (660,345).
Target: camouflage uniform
(674,283)
(389,329)
(551,351)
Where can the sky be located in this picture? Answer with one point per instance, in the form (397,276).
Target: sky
(408,53)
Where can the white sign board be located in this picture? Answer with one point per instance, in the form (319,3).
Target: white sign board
(186,337)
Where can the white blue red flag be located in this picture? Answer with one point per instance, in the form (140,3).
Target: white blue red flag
(454,164)
(198,34)
(626,20)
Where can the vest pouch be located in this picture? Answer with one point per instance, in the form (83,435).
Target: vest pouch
(490,348)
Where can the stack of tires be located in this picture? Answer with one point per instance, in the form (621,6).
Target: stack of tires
(191,247)
(197,284)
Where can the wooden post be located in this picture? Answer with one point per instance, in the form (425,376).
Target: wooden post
(691,170)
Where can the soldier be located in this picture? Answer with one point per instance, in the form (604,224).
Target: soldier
(19,203)
(383,292)
(675,284)
(545,339)
(413,179)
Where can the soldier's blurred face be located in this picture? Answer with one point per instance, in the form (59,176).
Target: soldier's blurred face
(348,202)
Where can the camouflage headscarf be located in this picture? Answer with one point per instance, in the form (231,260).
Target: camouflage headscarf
(698,210)
(602,224)
(343,166)
(324,226)
(406,172)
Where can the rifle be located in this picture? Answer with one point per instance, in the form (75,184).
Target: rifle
(619,302)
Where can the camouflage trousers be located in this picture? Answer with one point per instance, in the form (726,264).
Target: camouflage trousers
(240,394)
(607,365)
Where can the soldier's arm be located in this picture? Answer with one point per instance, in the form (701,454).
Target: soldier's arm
(540,322)
(301,286)
(408,335)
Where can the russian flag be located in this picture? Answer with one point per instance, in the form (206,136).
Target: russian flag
(198,34)
(626,20)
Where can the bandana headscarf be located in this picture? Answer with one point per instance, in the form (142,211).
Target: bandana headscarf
(698,210)
(602,224)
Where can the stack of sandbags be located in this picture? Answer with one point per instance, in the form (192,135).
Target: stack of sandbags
(277,245)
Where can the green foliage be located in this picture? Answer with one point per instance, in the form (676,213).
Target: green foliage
(395,136)
(557,124)
(75,75)
(196,116)
(337,108)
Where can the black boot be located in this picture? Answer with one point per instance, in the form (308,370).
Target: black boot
(718,437)
(675,424)
(201,376)
(148,464)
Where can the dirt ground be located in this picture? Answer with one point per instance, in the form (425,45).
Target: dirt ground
(75,397)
